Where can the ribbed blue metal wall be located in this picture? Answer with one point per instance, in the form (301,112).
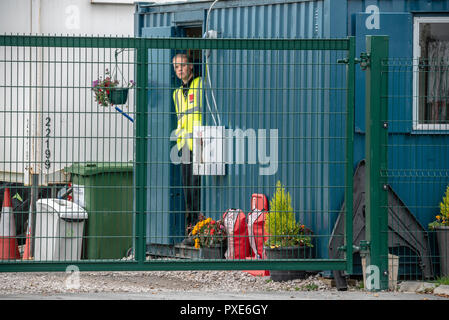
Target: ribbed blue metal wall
(282,20)
(409,6)
(306,19)
(413,151)
(289,97)
(287,91)
(417,160)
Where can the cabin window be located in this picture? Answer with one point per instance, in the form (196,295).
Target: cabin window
(431,73)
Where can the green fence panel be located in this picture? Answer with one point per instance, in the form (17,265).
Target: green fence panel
(417,171)
(288,105)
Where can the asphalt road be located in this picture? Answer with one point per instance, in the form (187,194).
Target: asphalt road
(197,295)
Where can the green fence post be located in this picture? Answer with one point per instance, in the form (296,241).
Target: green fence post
(349,181)
(376,156)
(141,150)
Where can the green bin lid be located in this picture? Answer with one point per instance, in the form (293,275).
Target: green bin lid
(92,168)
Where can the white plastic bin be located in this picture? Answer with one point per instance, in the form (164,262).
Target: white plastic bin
(59,230)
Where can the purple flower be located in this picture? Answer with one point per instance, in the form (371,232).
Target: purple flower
(95,83)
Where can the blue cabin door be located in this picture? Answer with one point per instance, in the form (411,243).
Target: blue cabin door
(165,219)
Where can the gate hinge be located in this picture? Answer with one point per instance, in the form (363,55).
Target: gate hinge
(364,247)
(354,248)
(343,61)
(364,60)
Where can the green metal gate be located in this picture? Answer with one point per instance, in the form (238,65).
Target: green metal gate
(406,152)
(117,156)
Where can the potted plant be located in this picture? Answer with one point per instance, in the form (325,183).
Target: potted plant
(288,239)
(109,92)
(441,227)
(210,238)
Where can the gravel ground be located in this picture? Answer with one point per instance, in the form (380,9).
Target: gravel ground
(151,282)
(182,285)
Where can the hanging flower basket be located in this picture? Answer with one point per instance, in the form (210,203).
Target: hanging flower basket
(118,96)
(109,92)
(108,89)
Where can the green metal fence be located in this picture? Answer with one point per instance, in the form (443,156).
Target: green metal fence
(292,100)
(67,156)
(407,170)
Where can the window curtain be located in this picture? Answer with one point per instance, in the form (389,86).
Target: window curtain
(438,81)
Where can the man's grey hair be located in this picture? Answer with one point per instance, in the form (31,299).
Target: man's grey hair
(183,55)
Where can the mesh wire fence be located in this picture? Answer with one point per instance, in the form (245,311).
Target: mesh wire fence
(270,153)
(418,172)
(68,150)
(250,155)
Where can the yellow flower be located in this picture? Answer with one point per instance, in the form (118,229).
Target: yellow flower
(197,243)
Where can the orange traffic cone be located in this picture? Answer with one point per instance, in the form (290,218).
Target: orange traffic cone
(27,250)
(9,250)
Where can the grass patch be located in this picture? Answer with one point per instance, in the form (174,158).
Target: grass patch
(360,285)
(310,287)
(442,280)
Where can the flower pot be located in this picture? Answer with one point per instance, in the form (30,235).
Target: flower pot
(118,95)
(288,253)
(213,252)
(443,248)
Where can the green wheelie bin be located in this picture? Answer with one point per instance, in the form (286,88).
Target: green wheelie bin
(105,190)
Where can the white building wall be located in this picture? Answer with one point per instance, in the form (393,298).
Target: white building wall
(80,129)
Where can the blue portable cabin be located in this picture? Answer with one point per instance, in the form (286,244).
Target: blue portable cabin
(418,144)
(317,207)
(297,19)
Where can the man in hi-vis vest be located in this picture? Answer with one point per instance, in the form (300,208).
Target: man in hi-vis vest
(188,102)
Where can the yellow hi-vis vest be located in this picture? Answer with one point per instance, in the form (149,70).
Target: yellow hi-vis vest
(188,111)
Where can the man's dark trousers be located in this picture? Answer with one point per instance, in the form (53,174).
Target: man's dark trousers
(192,188)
